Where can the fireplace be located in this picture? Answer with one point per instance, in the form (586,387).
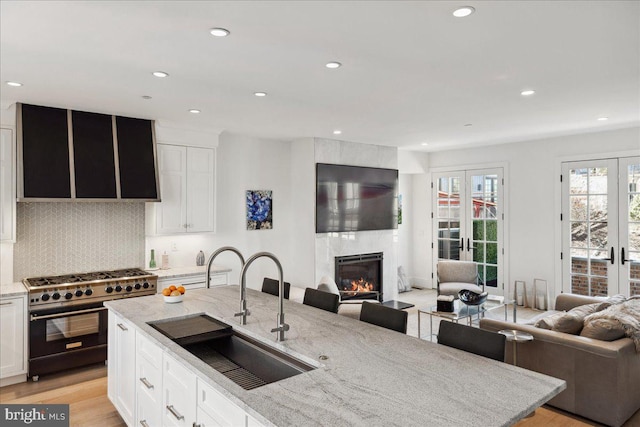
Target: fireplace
(359,276)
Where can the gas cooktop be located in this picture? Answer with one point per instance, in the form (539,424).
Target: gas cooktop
(83,288)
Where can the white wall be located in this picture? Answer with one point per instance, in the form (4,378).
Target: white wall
(243,163)
(533,192)
(405,233)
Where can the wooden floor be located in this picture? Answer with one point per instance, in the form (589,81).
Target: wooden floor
(85,390)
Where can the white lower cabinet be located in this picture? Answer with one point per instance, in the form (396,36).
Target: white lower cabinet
(149,383)
(217,409)
(122,367)
(194,281)
(151,388)
(178,384)
(13,340)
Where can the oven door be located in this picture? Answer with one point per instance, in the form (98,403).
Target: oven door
(67,329)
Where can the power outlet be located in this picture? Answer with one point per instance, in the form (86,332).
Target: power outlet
(174,247)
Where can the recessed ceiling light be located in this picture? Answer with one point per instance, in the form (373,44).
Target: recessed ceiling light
(463,11)
(337,132)
(425,144)
(260,93)
(146,97)
(527,92)
(333,65)
(160,74)
(14,84)
(602,119)
(219,32)
(194,111)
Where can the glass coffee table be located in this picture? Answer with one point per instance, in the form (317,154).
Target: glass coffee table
(463,311)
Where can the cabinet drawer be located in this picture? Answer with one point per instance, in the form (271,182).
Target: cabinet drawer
(218,407)
(151,352)
(149,381)
(178,383)
(219,279)
(149,411)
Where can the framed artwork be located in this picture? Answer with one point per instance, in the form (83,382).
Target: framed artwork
(259,209)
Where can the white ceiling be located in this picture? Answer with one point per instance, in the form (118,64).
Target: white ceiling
(412,72)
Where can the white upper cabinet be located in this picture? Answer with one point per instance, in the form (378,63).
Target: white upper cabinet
(7,187)
(187,185)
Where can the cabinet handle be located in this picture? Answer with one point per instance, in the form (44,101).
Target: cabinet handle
(146,383)
(6,303)
(121,326)
(196,425)
(174,412)
(143,423)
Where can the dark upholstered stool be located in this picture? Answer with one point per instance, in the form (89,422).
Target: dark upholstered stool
(323,300)
(272,286)
(473,340)
(386,317)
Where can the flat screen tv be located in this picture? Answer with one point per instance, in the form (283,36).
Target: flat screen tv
(355,198)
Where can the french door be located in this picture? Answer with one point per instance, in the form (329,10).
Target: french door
(601,226)
(468,221)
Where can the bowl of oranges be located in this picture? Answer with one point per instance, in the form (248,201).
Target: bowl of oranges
(173,294)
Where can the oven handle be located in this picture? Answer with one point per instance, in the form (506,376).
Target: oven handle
(35,317)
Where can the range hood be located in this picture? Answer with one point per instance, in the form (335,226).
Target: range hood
(66,155)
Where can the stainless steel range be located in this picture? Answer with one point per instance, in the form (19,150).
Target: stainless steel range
(68,326)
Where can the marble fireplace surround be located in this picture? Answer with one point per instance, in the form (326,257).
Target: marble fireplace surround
(330,245)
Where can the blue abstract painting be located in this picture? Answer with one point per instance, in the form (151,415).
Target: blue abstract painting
(259,210)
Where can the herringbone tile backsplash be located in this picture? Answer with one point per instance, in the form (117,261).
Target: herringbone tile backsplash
(60,238)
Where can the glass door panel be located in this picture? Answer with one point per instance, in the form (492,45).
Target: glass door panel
(589,227)
(630,224)
(448,217)
(484,214)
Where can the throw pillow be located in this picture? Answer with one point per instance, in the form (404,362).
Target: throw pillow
(550,321)
(603,329)
(570,322)
(625,316)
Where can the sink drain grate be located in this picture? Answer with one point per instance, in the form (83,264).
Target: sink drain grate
(234,372)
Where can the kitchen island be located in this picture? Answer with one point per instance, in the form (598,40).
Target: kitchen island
(365,375)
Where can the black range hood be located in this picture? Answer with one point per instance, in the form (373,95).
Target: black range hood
(66,155)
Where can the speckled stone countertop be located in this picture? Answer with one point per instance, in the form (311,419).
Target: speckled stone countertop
(12,289)
(371,375)
(175,272)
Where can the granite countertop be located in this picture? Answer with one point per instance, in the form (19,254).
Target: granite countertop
(12,289)
(366,376)
(187,271)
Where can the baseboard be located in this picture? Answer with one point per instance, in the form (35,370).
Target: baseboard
(22,378)
(422,283)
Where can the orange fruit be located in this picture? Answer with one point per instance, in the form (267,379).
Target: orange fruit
(166,292)
(175,293)
(181,289)
(173,287)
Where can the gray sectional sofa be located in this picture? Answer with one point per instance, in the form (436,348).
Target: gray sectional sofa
(603,377)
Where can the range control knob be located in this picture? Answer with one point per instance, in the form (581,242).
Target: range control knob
(118,288)
(79,293)
(137,286)
(88,292)
(129,288)
(68,295)
(45,297)
(55,296)
(108,289)
(146,285)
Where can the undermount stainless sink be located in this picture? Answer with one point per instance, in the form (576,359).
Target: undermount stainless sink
(244,360)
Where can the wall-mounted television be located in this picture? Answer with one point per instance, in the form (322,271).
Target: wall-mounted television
(355,198)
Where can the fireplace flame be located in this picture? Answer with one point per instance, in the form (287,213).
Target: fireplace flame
(361,285)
